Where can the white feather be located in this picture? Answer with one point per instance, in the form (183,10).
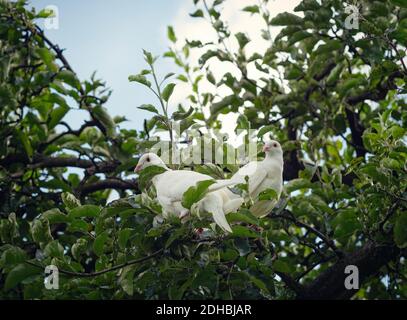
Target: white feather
(263,175)
(172,184)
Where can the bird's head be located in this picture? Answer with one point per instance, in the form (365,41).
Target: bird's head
(272,147)
(147,160)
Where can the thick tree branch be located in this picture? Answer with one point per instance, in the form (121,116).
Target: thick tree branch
(109,183)
(379,94)
(330,283)
(356,129)
(77,132)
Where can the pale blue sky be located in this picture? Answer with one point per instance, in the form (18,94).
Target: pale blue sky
(108,37)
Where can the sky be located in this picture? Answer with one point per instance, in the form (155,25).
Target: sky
(108,37)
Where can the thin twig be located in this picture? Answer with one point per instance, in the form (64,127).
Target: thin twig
(98,273)
(324,238)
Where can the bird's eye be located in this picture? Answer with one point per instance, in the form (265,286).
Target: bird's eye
(148,159)
(275,145)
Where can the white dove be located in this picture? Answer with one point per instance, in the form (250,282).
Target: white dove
(172,184)
(266,174)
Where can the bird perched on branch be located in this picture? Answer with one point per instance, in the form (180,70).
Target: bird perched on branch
(263,175)
(172,184)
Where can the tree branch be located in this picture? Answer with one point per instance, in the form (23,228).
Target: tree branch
(98,273)
(287,215)
(356,129)
(330,283)
(109,183)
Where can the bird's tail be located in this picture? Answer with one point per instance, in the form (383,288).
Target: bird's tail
(213,204)
(220,184)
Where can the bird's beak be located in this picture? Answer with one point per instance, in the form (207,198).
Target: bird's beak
(266,148)
(137,168)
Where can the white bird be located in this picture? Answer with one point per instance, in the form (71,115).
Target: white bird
(172,184)
(266,174)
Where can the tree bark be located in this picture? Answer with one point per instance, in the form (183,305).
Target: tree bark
(329,285)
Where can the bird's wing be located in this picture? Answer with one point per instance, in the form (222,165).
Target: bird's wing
(256,173)
(172,184)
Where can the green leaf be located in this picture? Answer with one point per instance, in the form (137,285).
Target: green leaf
(268,194)
(195,193)
(242,245)
(252,9)
(56,116)
(167,92)
(78,225)
(329,47)
(179,115)
(87,210)
(149,107)
(334,75)
(126,279)
(281,266)
(171,34)
(297,184)
(140,79)
(400,230)
(243,232)
(345,224)
(259,284)
(69,200)
(124,236)
(26,143)
(177,234)
(12,256)
(69,78)
(307,5)
(242,39)
(20,273)
(101,114)
(54,249)
(397,132)
(286,19)
(40,231)
(218,107)
(147,174)
(182,78)
(229,255)
(243,215)
(198,13)
(298,36)
(400,3)
(78,248)
(168,75)
(55,216)
(48,58)
(148,57)
(264,130)
(99,243)
(45,13)
(242,123)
